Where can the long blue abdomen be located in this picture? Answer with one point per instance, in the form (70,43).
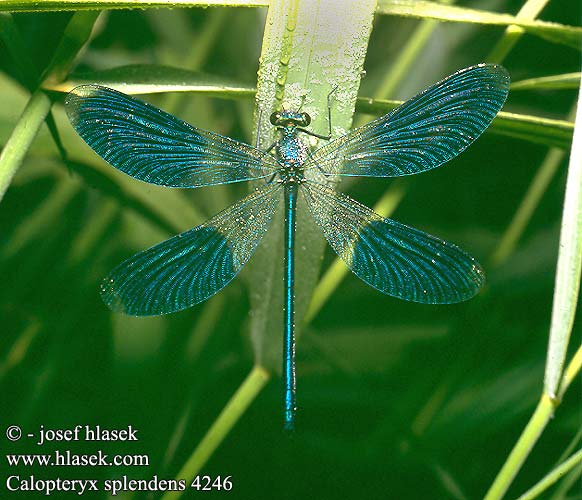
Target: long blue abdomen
(290,403)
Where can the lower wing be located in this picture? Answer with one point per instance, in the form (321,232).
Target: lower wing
(193,265)
(393,258)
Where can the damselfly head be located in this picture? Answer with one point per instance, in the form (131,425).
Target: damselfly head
(286,118)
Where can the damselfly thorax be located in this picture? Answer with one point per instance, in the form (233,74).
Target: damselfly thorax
(291,151)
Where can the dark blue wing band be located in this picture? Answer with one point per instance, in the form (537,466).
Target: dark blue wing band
(193,265)
(393,258)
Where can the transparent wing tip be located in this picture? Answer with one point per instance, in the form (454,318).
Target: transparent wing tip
(111,297)
(477,278)
(75,98)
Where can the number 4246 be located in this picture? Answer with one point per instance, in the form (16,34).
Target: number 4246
(206,483)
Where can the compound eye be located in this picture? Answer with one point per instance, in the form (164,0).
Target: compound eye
(306,119)
(275,118)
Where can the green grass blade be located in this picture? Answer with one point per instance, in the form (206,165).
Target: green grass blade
(153,79)
(227,419)
(553,82)
(537,129)
(552,477)
(520,452)
(530,202)
(553,32)
(567,284)
(21,138)
(567,483)
(529,11)
(78,5)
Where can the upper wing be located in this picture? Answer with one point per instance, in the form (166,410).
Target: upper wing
(424,132)
(193,265)
(393,258)
(154,146)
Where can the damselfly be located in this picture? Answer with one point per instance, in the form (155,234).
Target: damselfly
(156,147)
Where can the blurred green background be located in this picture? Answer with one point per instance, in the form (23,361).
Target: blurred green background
(397,400)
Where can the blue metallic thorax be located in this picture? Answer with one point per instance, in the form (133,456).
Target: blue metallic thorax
(292,152)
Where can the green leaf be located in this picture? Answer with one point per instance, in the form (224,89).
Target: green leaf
(553,32)
(567,284)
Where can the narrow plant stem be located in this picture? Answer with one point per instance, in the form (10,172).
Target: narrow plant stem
(228,417)
(552,477)
(562,489)
(80,5)
(529,203)
(21,138)
(571,446)
(570,373)
(407,56)
(529,11)
(525,443)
